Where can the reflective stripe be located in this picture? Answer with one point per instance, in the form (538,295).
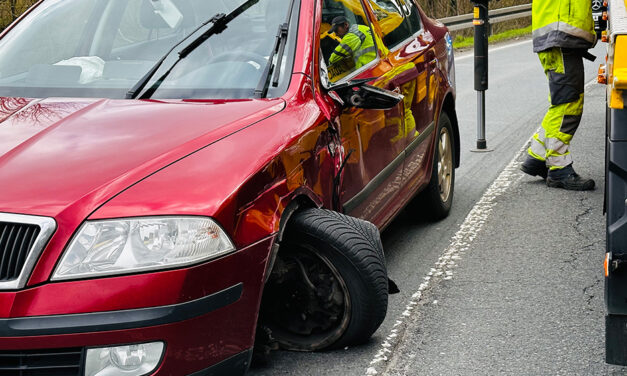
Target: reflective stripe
(365,51)
(559,39)
(557,162)
(557,146)
(540,136)
(557,154)
(537,149)
(347,48)
(354,29)
(566,28)
(535,155)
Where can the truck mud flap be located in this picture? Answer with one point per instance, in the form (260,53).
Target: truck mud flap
(615,335)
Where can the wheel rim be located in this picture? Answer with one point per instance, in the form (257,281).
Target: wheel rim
(310,304)
(445,164)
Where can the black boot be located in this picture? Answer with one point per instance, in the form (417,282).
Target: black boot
(568,179)
(534,167)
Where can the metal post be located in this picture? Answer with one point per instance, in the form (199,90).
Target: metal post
(481,141)
(481,22)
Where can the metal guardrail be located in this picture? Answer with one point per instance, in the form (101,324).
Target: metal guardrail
(464,21)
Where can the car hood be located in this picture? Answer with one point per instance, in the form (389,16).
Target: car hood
(61,155)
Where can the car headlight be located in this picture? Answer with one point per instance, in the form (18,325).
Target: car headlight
(129,360)
(107,247)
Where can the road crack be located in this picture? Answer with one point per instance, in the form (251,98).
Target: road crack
(589,293)
(579,227)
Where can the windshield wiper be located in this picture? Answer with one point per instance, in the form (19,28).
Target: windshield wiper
(278,50)
(220,22)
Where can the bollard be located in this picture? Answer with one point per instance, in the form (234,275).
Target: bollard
(481,24)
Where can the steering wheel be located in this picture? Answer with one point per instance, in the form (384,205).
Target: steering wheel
(240,56)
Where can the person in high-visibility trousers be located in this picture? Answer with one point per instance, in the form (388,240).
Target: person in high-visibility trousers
(357,45)
(563,31)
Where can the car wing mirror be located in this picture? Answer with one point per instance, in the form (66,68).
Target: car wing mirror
(357,93)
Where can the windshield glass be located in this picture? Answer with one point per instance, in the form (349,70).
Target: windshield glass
(101,48)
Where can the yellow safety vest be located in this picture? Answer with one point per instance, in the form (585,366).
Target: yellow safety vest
(562,23)
(358,45)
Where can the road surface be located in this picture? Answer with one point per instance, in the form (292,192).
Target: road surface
(510,283)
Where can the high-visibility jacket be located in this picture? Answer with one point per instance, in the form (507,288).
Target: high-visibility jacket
(358,45)
(389,20)
(562,23)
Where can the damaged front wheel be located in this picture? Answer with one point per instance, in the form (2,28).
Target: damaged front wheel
(328,287)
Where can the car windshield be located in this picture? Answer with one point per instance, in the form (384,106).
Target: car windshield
(102,48)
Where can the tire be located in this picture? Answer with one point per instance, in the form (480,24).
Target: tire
(436,200)
(371,232)
(342,299)
(367,229)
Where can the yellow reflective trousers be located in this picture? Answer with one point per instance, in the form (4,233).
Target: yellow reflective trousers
(564,70)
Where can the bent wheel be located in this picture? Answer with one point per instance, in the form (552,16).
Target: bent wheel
(328,288)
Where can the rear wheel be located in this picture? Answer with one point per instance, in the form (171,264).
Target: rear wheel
(328,288)
(437,198)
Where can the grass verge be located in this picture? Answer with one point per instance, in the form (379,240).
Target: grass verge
(464,42)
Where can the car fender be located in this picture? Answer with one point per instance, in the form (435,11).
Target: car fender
(246,180)
(447,105)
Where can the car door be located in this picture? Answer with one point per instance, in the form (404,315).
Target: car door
(372,172)
(413,65)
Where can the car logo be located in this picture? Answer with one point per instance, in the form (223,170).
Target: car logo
(597,4)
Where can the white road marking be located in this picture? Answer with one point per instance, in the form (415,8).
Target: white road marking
(444,268)
(471,54)
(460,243)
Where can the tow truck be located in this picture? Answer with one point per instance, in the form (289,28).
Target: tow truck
(611,23)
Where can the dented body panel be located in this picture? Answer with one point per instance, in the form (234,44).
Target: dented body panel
(242,162)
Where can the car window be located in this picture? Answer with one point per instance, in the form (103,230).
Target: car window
(347,41)
(399,20)
(101,48)
(135,28)
(51,42)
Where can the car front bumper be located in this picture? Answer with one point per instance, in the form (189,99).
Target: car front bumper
(207,329)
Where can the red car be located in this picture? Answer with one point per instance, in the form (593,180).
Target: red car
(177,176)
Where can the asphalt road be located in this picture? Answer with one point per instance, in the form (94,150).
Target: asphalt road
(510,283)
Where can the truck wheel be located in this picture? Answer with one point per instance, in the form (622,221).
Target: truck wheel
(328,288)
(436,199)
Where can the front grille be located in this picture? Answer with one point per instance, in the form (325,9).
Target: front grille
(55,362)
(16,240)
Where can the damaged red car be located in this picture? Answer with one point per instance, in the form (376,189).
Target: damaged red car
(179,175)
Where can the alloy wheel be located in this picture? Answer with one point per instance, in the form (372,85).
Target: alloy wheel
(445,164)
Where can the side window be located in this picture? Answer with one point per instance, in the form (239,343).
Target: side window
(412,15)
(346,39)
(399,20)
